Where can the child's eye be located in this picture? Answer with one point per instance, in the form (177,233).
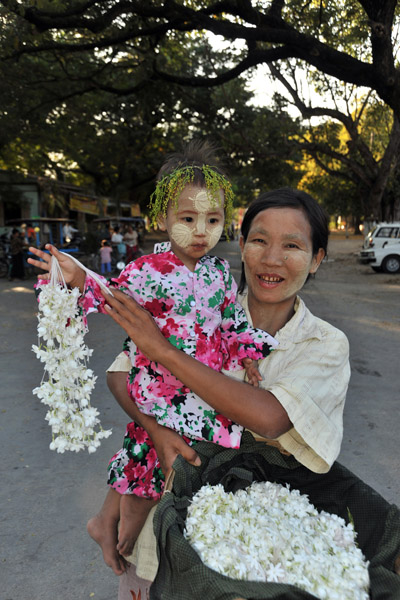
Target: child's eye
(188,219)
(214,220)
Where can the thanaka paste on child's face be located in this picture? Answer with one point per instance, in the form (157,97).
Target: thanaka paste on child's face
(197,223)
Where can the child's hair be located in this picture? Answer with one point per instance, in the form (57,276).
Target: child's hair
(105,243)
(197,164)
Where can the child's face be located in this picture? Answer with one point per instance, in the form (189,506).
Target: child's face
(196,226)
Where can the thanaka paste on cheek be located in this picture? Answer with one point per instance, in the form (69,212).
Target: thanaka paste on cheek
(181,234)
(215,234)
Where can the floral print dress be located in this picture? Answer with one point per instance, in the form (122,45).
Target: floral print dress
(198,313)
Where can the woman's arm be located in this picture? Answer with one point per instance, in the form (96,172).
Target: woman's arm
(253,408)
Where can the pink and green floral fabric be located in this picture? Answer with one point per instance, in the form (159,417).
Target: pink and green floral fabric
(198,313)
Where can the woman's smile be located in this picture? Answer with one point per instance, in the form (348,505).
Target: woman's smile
(271,279)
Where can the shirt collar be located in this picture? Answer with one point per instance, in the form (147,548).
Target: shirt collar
(301,327)
(161,247)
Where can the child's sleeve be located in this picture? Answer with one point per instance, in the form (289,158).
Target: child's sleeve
(92,300)
(240,340)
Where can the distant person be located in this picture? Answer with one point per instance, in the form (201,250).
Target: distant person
(118,243)
(17,255)
(30,234)
(131,239)
(105,256)
(68,232)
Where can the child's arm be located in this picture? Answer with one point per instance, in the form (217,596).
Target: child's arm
(252,372)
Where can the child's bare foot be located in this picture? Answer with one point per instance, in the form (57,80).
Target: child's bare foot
(133,514)
(104,532)
(103,528)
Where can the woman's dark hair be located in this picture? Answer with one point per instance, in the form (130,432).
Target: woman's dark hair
(289,198)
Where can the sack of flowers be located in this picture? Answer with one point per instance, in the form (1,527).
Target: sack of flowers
(253,523)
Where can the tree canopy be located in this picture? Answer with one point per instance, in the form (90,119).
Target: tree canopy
(98,91)
(350,40)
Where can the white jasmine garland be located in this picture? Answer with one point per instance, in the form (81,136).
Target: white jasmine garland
(67,382)
(271,533)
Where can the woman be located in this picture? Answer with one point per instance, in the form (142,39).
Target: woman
(299,405)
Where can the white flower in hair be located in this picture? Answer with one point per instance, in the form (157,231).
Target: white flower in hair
(67,382)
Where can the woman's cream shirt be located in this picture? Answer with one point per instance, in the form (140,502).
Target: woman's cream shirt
(309,374)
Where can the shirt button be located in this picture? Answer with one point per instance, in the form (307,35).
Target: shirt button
(192,303)
(191,275)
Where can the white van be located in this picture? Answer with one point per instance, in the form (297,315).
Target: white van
(382,235)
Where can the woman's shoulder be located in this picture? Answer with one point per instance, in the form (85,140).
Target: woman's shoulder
(311,326)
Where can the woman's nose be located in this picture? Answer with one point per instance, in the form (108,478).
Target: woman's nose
(273,256)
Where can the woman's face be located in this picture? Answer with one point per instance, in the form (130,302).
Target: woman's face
(277,255)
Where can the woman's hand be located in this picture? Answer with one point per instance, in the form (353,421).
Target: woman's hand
(168,444)
(138,324)
(73,274)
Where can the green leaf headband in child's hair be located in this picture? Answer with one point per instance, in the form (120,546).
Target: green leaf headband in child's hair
(169,188)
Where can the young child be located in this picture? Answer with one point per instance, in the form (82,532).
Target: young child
(192,297)
(105,257)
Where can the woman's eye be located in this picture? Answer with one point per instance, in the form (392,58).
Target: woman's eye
(258,240)
(292,245)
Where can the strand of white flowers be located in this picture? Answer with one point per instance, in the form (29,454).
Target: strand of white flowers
(67,382)
(271,533)
(91,273)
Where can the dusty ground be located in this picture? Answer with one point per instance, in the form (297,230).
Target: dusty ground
(46,498)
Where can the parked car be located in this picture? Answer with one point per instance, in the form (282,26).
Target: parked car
(385,259)
(382,235)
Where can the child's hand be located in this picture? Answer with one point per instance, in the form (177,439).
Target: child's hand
(252,372)
(73,274)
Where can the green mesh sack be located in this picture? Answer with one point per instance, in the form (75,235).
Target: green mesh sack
(183,576)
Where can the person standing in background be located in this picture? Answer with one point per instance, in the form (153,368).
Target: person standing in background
(117,243)
(131,239)
(105,256)
(68,232)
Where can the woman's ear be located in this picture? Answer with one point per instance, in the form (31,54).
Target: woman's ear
(317,260)
(241,244)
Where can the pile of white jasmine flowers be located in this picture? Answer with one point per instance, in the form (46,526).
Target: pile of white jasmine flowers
(67,382)
(271,533)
